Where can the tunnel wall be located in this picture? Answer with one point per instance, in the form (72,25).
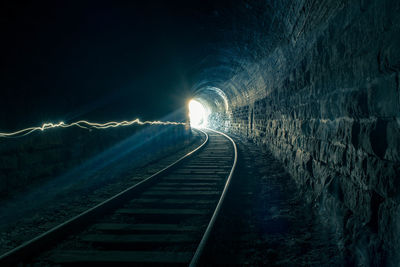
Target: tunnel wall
(41,156)
(331,114)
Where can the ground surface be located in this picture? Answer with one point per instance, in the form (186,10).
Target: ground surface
(73,199)
(266,221)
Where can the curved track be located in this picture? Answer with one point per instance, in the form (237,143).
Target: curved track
(165,219)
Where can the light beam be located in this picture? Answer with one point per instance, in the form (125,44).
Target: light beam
(84,125)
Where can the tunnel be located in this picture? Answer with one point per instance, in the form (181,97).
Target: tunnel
(312,86)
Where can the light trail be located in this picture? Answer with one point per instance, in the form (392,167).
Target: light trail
(84,125)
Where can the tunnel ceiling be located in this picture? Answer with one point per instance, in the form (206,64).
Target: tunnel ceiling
(114,60)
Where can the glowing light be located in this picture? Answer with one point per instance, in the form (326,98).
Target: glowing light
(198,114)
(85,125)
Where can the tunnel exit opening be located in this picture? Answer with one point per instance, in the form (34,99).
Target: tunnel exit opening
(198,114)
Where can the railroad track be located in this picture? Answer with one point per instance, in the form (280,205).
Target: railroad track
(164,220)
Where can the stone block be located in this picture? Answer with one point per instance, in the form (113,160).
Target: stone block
(364,135)
(378,137)
(389,229)
(383,96)
(355,103)
(393,140)
(356,199)
(389,54)
(338,155)
(334,188)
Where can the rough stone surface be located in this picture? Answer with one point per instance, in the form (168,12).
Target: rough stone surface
(328,107)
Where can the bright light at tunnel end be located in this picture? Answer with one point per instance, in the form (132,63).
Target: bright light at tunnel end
(198,114)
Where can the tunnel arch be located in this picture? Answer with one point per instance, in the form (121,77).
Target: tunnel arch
(291,89)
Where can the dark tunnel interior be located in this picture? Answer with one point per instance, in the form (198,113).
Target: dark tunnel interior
(112,61)
(314,83)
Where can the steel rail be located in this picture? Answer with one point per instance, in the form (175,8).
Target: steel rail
(200,248)
(34,246)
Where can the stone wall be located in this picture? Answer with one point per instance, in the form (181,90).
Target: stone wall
(44,155)
(332,115)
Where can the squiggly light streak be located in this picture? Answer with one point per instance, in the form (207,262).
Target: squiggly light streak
(85,125)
